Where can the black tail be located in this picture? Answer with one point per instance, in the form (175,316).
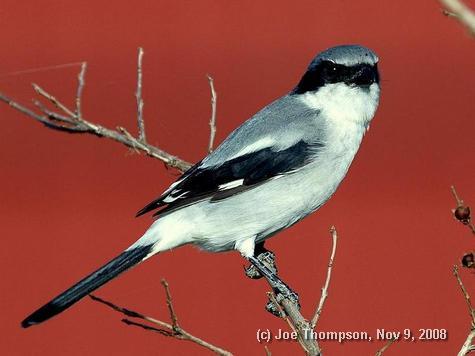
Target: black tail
(121,263)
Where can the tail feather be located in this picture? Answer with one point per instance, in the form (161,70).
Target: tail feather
(121,263)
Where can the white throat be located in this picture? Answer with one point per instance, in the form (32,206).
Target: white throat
(344,104)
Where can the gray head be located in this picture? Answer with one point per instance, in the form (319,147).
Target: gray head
(352,65)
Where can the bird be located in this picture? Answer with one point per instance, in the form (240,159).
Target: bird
(272,171)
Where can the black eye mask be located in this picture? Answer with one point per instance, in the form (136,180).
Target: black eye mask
(327,72)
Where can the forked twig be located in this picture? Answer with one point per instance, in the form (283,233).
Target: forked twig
(53,100)
(74,122)
(166,329)
(289,310)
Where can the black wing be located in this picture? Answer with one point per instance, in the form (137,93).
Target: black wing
(253,168)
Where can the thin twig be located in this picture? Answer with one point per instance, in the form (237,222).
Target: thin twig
(294,318)
(173,315)
(52,115)
(149,328)
(81,83)
(84,126)
(466,295)
(138,96)
(24,110)
(467,346)
(461,12)
(448,13)
(164,328)
(324,296)
(212,121)
(385,347)
(268,353)
(53,100)
(75,123)
(457,198)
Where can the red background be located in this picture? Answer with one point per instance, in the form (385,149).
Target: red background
(68,202)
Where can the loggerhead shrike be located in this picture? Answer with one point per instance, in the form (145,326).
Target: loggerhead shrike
(272,171)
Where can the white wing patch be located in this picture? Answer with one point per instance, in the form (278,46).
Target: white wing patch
(233,184)
(256,146)
(170,198)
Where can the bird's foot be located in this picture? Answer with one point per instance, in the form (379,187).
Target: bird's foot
(268,259)
(273,306)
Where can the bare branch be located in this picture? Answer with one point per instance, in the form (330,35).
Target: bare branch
(166,329)
(173,316)
(466,295)
(461,12)
(81,83)
(212,121)
(324,296)
(52,115)
(138,96)
(53,100)
(24,110)
(73,122)
(84,126)
(467,346)
(293,316)
(448,13)
(268,353)
(385,347)
(149,328)
(457,198)
(302,327)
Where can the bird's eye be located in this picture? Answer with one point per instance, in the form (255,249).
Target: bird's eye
(334,68)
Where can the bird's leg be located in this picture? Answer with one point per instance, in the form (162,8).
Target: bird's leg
(266,257)
(281,289)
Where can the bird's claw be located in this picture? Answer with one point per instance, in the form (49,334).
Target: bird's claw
(288,294)
(268,259)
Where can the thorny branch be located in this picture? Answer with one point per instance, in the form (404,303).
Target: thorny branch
(161,327)
(458,10)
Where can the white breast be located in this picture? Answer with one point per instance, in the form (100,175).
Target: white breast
(344,104)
